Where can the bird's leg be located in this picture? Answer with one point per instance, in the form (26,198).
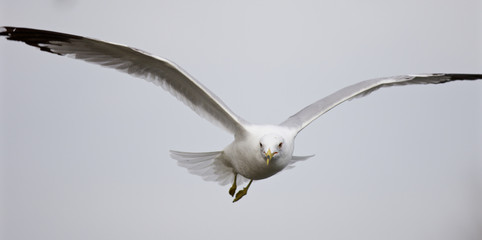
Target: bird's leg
(232,190)
(243,192)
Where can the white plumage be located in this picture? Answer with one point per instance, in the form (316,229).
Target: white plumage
(258,151)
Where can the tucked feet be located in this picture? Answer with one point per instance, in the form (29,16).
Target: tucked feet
(243,192)
(240,194)
(232,190)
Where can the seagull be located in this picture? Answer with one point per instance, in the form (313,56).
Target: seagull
(257,151)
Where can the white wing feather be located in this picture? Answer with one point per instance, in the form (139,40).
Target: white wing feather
(160,71)
(307,115)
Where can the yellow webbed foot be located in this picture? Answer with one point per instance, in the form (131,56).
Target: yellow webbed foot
(232,190)
(240,194)
(243,192)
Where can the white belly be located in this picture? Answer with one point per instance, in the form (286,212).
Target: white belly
(245,156)
(250,163)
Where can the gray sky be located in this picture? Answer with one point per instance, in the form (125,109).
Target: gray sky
(84,149)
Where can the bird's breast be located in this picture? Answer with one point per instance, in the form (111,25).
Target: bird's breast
(255,167)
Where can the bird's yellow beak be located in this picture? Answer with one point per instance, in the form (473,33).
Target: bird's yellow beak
(269,156)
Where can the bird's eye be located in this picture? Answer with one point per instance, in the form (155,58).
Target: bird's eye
(260,144)
(280,145)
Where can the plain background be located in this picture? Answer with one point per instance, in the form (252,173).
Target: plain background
(84,149)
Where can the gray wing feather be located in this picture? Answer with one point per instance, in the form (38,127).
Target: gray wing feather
(304,117)
(157,70)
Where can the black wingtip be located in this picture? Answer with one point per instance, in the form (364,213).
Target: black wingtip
(5,31)
(35,37)
(462,76)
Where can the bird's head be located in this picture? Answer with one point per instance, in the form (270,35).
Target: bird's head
(271,147)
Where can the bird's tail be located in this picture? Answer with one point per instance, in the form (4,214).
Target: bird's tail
(208,165)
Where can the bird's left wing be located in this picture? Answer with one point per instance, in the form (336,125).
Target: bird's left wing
(135,62)
(304,117)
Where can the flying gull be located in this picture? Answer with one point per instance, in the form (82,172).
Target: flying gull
(258,151)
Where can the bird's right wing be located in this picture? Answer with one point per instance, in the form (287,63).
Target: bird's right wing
(307,115)
(137,63)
